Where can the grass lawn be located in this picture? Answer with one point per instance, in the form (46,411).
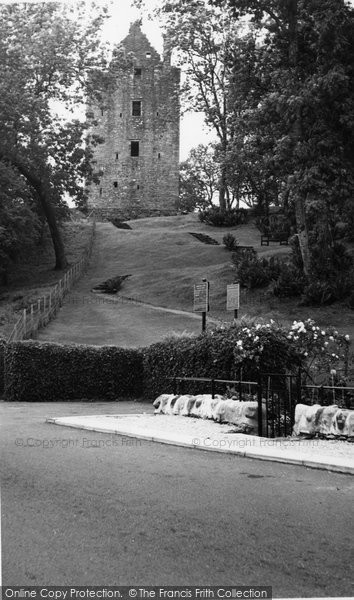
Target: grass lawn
(164,262)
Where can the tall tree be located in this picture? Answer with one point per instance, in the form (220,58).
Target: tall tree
(50,59)
(307,108)
(200,35)
(199,178)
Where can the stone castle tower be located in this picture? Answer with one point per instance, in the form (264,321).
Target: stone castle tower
(138,163)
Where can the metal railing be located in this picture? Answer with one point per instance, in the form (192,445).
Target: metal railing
(276,394)
(43,310)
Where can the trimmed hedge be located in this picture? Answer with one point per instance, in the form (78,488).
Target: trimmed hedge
(46,372)
(217,354)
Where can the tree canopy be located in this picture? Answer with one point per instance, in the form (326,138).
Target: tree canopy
(50,57)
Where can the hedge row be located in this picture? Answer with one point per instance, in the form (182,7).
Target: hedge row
(217,354)
(46,372)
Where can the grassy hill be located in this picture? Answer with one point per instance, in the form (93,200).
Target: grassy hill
(165,261)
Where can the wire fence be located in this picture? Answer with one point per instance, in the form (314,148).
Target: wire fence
(44,309)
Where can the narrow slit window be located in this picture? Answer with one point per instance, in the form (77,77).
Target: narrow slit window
(102,112)
(138,187)
(117,155)
(100,191)
(136,108)
(137,72)
(115,184)
(120,114)
(134,148)
(159,155)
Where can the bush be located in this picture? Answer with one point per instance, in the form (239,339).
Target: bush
(46,372)
(328,291)
(289,282)
(251,271)
(223,218)
(230,241)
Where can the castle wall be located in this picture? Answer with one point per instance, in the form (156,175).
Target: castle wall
(146,184)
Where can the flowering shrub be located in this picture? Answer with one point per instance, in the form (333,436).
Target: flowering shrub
(265,347)
(245,350)
(324,350)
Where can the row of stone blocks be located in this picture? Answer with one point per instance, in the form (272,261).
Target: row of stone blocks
(329,422)
(242,415)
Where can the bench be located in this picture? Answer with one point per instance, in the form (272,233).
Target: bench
(282,240)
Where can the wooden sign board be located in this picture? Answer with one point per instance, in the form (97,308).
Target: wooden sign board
(201,297)
(233,296)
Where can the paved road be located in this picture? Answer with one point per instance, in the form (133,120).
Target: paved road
(103,510)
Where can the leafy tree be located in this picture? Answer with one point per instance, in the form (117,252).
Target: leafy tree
(199,178)
(50,56)
(20,224)
(200,35)
(304,112)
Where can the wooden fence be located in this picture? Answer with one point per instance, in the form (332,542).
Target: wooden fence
(45,308)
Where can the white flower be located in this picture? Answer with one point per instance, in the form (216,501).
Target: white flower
(323,332)
(256,338)
(333,372)
(239,343)
(347,337)
(331,338)
(326,343)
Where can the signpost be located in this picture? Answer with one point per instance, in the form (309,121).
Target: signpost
(201,300)
(233,298)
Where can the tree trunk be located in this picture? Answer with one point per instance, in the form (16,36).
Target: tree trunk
(40,189)
(222,189)
(300,199)
(59,250)
(302,233)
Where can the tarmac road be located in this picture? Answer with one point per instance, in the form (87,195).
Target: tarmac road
(82,508)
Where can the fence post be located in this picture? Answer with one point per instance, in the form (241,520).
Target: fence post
(213,388)
(24,321)
(259,407)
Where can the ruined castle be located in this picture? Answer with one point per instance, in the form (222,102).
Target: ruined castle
(139,160)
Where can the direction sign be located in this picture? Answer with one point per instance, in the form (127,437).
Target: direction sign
(201,297)
(233,296)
